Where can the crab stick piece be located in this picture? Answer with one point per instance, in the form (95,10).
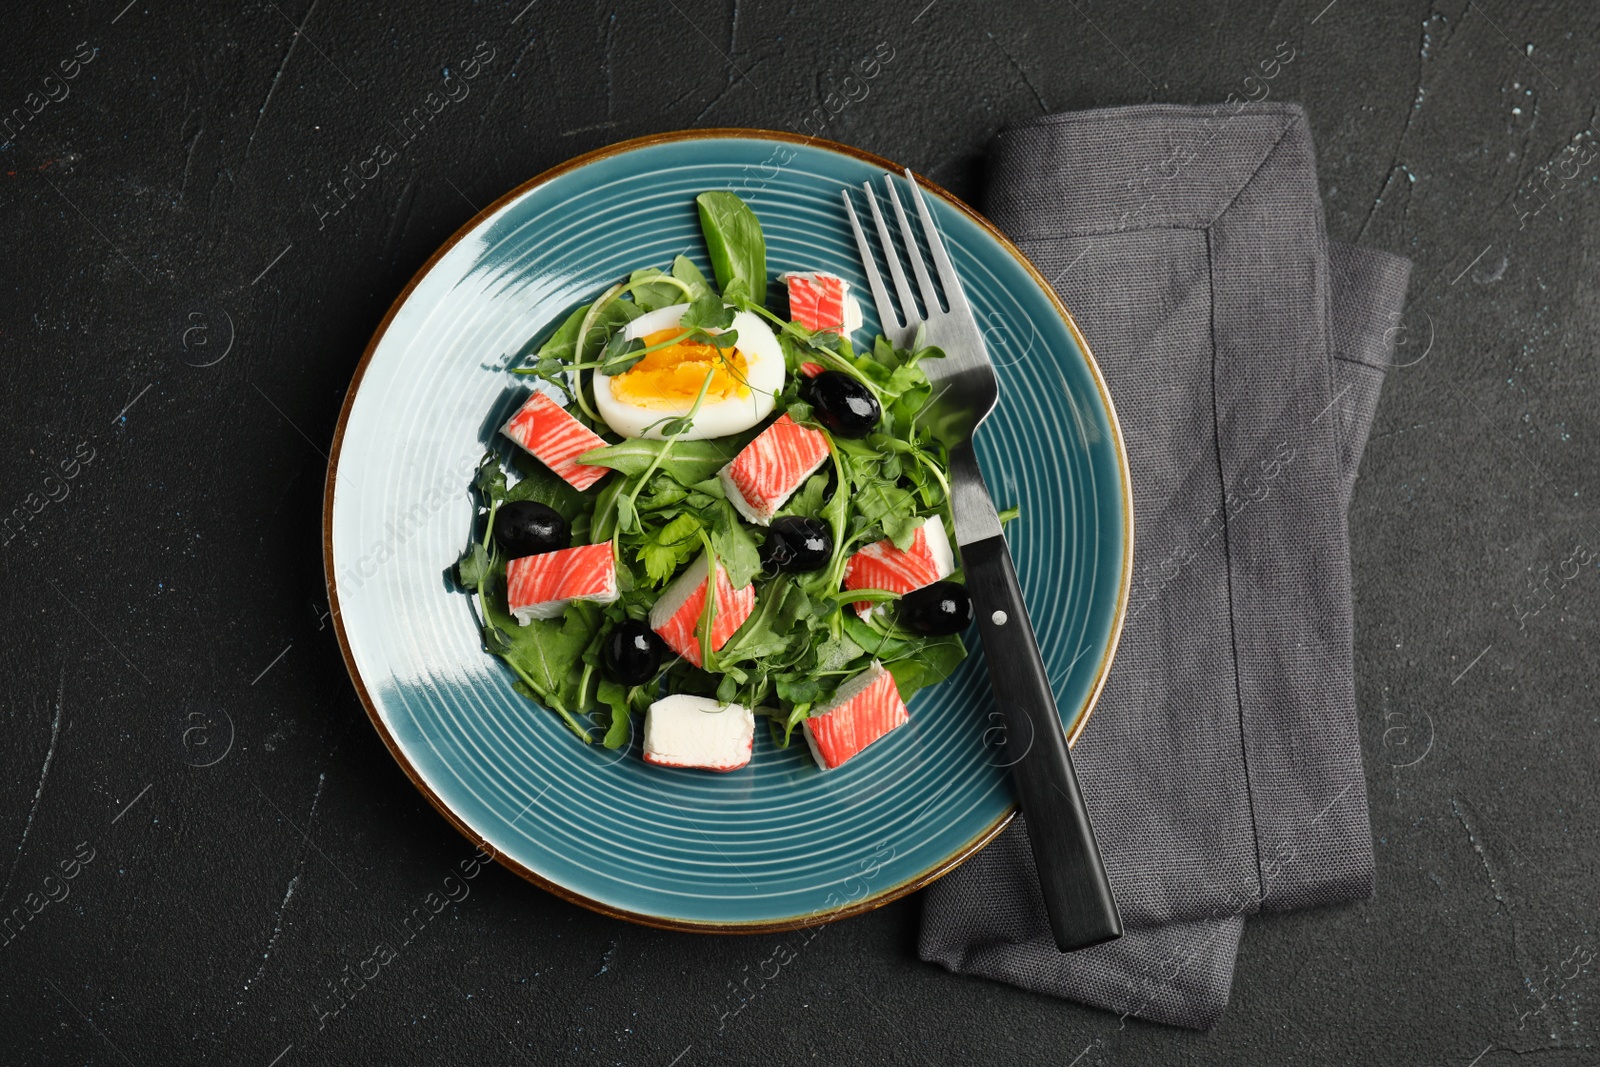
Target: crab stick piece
(676,616)
(767,471)
(541,586)
(821,301)
(864,709)
(883,566)
(548,432)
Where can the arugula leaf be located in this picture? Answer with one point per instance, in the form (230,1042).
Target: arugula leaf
(711,487)
(627,516)
(883,352)
(664,493)
(902,531)
(807,502)
(773,628)
(735,243)
(880,499)
(783,723)
(614,696)
(669,547)
(836,653)
(734,546)
(934,661)
(688,462)
(891,645)
(546,651)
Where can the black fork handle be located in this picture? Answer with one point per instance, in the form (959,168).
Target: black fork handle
(1077,895)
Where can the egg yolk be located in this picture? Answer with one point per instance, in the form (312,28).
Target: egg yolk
(670,377)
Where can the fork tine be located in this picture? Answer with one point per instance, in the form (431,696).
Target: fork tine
(948,277)
(887,319)
(908,303)
(930,296)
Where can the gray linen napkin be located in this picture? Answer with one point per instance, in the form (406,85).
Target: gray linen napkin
(1245,353)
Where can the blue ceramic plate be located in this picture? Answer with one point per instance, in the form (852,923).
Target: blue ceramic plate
(779,843)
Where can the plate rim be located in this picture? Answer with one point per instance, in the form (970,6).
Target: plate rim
(758,926)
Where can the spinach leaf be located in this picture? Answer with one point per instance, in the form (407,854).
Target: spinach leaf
(541,484)
(559,345)
(651,293)
(620,354)
(737,248)
(799,690)
(685,271)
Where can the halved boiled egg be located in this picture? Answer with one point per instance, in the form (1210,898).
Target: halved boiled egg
(745,379)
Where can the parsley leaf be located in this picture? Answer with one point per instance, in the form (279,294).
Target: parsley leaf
(707,313)
(473,568)
(667,548)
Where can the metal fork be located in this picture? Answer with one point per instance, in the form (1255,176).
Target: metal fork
(1077,895)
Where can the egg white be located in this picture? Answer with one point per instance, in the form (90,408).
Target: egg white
(763,358)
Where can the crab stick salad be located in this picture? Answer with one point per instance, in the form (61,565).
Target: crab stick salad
(711,507)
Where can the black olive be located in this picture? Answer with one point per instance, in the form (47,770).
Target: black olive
(935,610)
(797,544)
(527,527)
(843,404)
(632,652)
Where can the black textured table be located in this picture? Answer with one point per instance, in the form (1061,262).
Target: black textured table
(207,209)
